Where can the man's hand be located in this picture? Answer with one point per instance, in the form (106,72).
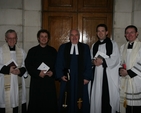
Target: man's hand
(49,73)
(86,81)
(123,72)
(64,78)
(14,70)
(98,61)
(42,73)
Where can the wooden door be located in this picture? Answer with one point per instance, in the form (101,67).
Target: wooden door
(59,25)
(87,25)
(60,16)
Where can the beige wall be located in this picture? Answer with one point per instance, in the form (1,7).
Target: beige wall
(22,15)
(126,12)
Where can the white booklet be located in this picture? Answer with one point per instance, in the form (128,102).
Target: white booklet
(11,62)
(43,66)
(137,68)
(101,54)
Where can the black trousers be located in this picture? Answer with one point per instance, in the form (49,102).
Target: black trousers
(15,110)
(133,109)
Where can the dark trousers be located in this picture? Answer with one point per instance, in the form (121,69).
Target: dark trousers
(15,110)
(133,109)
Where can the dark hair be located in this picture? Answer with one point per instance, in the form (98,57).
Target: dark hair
(43,31)
(101,25)
(10,31)
(131,26)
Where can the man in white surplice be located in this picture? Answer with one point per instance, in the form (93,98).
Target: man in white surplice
(12,74)
(104,89)
(130,87)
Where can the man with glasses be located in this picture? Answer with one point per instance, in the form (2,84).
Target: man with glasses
(12,74)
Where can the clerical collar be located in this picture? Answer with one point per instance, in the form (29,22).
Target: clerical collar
(74,47)
(130,45)
(101,40)
(12,48)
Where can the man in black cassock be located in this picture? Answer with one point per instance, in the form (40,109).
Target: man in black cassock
(73,69)
(42,96)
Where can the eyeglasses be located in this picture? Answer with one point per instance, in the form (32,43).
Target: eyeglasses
(12,38)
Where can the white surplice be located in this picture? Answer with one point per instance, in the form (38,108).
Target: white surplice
(113,64)
(16,95)
(130,88)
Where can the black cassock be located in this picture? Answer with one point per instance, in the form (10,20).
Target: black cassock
(42,96)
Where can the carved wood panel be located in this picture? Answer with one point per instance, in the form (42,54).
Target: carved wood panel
(95,6)
(87,25)
(59,25)
(59,5)
(78,5)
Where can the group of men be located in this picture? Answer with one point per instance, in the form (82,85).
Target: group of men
(102,79)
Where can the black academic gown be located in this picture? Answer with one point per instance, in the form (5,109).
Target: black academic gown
(74,82)
(42,96)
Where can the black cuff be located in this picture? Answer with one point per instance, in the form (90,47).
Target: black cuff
(22,71)
(5,70)
(131,73)
(119,71)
